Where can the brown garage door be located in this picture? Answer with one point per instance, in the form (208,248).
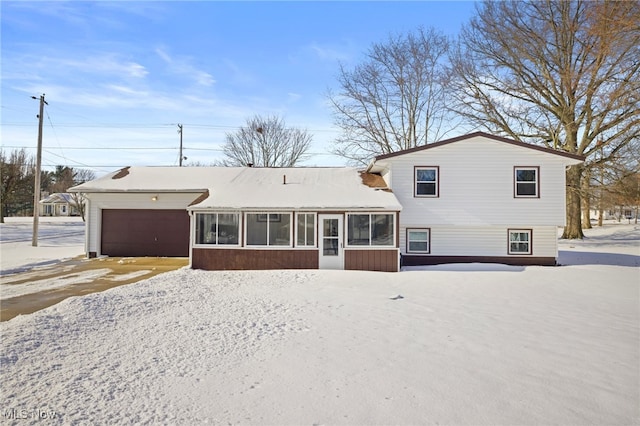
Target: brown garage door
(145,233)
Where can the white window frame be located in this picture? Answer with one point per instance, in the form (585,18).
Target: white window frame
(216,244)
(370,245)
(436,182)
(536,183)
(315,230)
(428,241)
(291,233)
(529,242)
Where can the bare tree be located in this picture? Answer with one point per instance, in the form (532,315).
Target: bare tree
(560,73)
(16,171)
(396,99)
(266,142)
(79,199)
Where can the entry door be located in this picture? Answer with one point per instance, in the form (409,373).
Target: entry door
(331,250)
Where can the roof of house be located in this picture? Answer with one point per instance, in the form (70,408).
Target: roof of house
(254,187)
(485,135)
(58,197)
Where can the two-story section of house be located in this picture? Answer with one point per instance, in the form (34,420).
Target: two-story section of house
(478,198)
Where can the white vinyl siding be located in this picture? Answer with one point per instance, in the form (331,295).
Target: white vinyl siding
(484,241)
(476,186)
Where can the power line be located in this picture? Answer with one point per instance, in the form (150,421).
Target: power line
(154,126)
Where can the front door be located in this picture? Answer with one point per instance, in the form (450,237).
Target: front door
(331,252)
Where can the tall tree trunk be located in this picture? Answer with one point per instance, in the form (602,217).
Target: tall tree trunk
(586,200)
(573,229)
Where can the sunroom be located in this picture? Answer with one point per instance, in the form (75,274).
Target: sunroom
(312,219)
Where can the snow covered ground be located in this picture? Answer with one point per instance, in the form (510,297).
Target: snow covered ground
(59,238)
(453,344)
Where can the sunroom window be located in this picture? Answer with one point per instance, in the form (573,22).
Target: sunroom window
(268,229)
(370,230)
(519,241)
(526,182)
(306,230)
(217,228)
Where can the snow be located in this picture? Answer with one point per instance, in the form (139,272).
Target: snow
(59,238)
(254,187)
(468,344)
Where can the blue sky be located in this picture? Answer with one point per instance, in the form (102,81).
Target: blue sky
(119,76)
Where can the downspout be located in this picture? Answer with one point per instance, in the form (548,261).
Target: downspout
(87,213)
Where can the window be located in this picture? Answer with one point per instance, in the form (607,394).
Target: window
(217,228)
(520,241)
(273,229)
(526,182)
(418,240)
(426,182)
(370,230)
(306,230)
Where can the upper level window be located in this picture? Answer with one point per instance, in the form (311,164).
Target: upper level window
(526,181)
(306,231)
(268,229)
(217,228)
(426,181)
(370,230)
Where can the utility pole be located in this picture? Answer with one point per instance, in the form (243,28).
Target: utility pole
(180,131)
(36,185)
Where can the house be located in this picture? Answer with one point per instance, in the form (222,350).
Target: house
(475,198)
(59,204)
(245,217)
(478,198)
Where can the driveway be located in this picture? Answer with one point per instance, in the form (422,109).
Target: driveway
(28,292)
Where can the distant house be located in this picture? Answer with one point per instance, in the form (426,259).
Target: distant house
(476,198)
(59,204)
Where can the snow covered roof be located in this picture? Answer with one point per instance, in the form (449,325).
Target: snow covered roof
(255,187)
(58,197)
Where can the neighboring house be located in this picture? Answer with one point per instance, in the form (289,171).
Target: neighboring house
(615,213)
(245,218)
(59,204)
(476,198)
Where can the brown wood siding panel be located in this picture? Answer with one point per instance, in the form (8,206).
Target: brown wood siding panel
(145,233)
(371,260)
(408,260)
(250,259)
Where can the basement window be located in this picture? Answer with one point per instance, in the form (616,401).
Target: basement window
(520,241)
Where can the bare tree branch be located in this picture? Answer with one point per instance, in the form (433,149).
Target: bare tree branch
(562,73)
(266,142)
(396,99)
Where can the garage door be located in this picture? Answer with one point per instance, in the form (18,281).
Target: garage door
(145,233)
